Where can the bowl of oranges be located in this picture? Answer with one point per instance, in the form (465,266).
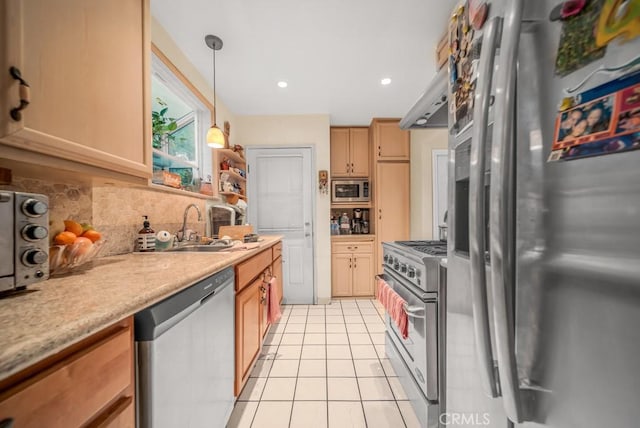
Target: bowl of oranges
(73,247)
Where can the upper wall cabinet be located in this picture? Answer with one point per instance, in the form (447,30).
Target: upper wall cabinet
(349,152)
(86,64)
(389,141)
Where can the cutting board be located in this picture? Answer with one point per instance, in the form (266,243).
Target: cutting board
(235,232)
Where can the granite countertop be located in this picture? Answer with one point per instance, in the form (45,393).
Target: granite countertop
(52,315)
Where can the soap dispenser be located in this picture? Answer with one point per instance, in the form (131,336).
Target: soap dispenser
(146,237)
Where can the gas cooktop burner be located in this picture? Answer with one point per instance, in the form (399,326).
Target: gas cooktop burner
(421,243)
(434,248)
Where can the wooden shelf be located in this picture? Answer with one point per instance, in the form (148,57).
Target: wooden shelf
(234,194)
(234,175)
(234,156)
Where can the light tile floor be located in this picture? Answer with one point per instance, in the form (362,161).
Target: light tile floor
(324,366)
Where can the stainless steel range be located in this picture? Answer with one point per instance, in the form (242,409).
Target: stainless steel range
(413,269)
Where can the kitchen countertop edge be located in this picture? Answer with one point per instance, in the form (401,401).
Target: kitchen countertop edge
(52,315)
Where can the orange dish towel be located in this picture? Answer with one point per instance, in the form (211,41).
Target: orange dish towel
(273,306)
(394,304)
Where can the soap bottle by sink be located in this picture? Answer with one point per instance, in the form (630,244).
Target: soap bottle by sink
(146,237)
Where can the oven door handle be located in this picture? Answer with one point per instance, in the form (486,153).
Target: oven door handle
(414,311)
(477,221)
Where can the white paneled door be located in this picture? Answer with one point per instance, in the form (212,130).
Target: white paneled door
(280,191)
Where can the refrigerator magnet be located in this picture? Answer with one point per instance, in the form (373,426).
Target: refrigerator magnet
(478,13)
(607,121)
(577,47)
(618,19)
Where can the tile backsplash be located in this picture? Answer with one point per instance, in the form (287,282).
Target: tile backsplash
(116,211)
(66,200)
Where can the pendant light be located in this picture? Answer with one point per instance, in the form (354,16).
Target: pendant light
(215,137)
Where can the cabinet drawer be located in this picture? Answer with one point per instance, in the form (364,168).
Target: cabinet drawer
(352,247)
(277,250)
(249,269)
(76,389)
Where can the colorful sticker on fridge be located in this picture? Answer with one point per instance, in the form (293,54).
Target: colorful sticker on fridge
(618,18)
(462,55)
(607,121)
(578,46)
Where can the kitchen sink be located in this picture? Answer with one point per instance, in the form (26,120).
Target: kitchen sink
(200,248)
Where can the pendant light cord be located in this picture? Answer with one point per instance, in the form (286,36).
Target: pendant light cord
(215,102)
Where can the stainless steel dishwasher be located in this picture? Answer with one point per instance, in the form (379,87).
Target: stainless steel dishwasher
(185,356)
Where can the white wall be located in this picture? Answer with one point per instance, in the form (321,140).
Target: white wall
(299,130)
(423,142)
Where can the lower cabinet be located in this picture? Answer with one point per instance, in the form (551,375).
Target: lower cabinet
(352,269)
(248,335)
(89,384)
(251,308)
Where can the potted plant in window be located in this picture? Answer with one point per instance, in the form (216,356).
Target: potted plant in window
(161,125)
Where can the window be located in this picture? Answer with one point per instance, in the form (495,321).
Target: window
(181,117)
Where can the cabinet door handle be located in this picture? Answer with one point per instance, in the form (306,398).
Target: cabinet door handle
(25,94)
(355,263)
(348,167)
(350,261)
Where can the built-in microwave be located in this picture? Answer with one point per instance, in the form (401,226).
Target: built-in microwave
(350,190)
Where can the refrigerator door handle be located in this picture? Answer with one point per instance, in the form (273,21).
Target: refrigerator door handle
(501,206)
(477,221)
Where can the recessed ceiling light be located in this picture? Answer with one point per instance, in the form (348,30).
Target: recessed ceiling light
(385,81)
(282,84)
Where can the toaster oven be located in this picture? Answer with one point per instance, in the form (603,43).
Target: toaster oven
(24,244)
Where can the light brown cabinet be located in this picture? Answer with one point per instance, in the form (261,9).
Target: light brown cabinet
(89,384)
(352,269)
(87,67)
(390,143)
(248,334)
(392,212)
(251,308)
(350,152)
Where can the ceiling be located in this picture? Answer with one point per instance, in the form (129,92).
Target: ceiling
(332,53)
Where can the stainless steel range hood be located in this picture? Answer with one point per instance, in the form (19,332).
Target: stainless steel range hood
(430,111)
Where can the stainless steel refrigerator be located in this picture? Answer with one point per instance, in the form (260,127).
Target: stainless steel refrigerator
(543,290)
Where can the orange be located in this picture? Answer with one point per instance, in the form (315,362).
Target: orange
(65,238)
(92,234)
(82,245)
(73,227)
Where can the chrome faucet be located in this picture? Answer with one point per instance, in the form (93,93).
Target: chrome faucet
(181,233)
